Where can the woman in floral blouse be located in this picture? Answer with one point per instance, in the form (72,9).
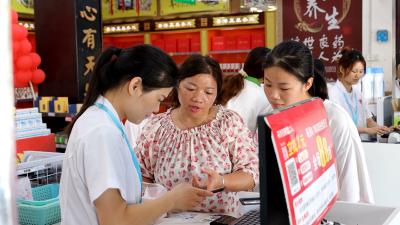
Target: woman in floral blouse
(199,141)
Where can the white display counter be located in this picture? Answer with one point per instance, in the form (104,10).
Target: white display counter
(347,213)
(383,162)
(365,214)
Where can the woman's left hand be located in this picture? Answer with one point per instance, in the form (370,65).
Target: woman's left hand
(213,182)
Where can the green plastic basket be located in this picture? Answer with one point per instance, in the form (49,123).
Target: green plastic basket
(44,209)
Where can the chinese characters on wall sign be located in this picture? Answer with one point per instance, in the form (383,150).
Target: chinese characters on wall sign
(325,27)
(89,41)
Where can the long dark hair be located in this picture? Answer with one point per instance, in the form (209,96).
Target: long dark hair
(347,60)
(295,58)
(117,66)
(233,84)
(194,65)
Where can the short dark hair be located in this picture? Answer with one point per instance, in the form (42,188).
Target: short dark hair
(194,65)
(348,59)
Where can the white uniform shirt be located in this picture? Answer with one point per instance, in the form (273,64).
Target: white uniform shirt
(250,103)
(339,94)
(354,181)
(97,158)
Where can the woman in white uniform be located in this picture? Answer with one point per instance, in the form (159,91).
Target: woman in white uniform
(101,180)
(289,78)
(243,92)
(350,70)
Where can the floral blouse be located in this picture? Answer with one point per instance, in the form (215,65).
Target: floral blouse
(169,155)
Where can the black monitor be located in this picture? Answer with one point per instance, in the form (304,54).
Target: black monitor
(273,208)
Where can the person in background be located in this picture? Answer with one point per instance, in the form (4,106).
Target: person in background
(200,141)
(350,69)
(289,77)
(101,180)
(396,86)
(243,92)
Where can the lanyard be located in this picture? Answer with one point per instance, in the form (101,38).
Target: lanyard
(118,124)
(354,114)
(253,79)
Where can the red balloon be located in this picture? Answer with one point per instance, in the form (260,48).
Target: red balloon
(24,62)
(36,59)
(14,17)
(16,49)
(38,76)
(23,76)
(18,84)
(19,32)
(26,47)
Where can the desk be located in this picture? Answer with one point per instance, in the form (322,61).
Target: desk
(383,162)
(347,213)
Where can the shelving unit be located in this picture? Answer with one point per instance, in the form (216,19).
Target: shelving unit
(68,117)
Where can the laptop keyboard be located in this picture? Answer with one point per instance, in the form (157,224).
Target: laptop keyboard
(250,218)
(253,218)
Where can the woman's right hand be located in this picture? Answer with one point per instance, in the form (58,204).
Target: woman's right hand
(186,197)
(378,130)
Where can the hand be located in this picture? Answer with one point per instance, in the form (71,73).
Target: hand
(186,197)
(378,130)
(214,180)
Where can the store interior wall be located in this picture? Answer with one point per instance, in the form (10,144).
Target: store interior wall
(378,15)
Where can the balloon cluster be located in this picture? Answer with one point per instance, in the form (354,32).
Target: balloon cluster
(25,61)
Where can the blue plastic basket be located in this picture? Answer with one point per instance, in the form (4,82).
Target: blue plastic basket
(44,209)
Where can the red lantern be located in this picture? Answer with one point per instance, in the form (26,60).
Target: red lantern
(14,17)
(19,32)
(38,76)
(23,76)
(36,59)
(26,47)
(24,62)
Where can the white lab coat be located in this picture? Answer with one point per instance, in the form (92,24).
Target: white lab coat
(250,103)
(354,181)
(97,158)
(396,90)
(336,94)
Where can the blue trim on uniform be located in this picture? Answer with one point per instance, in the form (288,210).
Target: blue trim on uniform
(117,122)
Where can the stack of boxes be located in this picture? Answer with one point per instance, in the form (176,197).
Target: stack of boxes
(49,104)
(29,123)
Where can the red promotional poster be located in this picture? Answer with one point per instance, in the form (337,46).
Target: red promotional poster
(305,154)
(325,27)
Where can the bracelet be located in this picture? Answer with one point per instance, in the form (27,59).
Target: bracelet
(221,188)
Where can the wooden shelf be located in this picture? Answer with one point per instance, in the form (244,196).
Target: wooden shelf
(67,116)
(61,146)
(182,53)
(230,51)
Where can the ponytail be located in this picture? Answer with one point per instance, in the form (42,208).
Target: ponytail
(97,83)
(253,66)
(231,86)
(319,87)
